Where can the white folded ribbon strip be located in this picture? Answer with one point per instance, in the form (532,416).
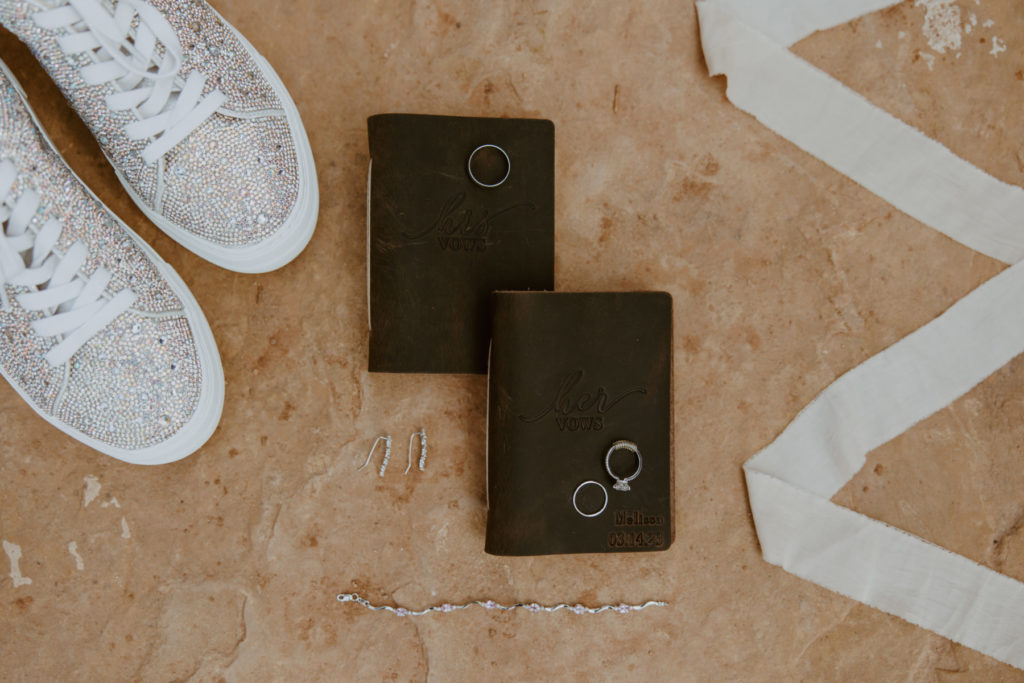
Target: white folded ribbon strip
(791,482)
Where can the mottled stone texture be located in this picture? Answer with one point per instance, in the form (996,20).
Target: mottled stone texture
(784,275)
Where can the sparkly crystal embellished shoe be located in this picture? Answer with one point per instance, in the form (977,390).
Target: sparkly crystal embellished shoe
(97,333)
(197,125)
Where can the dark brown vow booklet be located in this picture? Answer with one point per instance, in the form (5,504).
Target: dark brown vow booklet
(439,242)
(571,374)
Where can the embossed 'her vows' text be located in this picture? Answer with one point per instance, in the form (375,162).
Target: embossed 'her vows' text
(577,409)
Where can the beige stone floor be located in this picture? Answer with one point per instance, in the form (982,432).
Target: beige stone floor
(784,275)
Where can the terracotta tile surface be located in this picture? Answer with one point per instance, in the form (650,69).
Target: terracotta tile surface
(784,274)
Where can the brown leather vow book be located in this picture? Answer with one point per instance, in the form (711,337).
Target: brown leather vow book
(570,375)
(439,242)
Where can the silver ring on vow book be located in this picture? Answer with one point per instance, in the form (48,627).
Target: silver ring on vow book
(622,483)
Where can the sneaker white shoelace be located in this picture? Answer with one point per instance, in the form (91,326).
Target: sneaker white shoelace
(136,50)
(73,306)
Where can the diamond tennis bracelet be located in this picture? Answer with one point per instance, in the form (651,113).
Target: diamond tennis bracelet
(491,604)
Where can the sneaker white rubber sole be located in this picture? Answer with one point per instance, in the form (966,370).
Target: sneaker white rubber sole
(291,238)
(197,431)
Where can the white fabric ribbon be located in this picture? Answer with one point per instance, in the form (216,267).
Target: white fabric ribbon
(791,482)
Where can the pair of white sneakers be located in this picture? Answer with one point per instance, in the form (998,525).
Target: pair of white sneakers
(97,333)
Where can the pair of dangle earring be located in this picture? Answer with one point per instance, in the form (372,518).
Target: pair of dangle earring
(422,434)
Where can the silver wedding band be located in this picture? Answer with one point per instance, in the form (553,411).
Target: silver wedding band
(622,484)
(469,166)
(577,492)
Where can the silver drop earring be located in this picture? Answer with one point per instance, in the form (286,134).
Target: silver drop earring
(387,454)
(423,450)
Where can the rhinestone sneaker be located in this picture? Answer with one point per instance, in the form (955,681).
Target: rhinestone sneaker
(197,125)
(97,333)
